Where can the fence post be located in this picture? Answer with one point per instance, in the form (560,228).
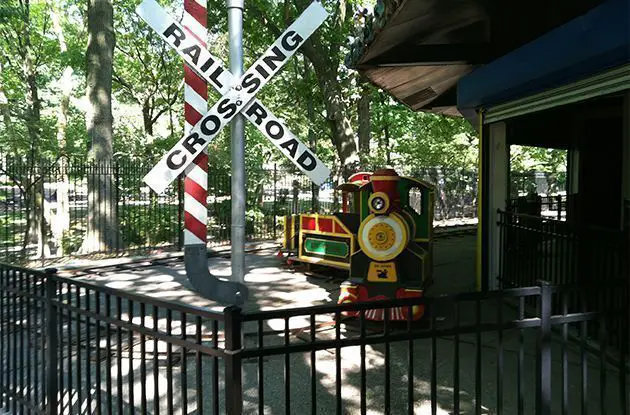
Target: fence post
(233,372)
(275,187)
(52,387)
(180,214)
(559,197)
(296,195)
(42,218)
(543,380)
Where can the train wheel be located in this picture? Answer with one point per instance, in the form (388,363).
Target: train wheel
(417,311)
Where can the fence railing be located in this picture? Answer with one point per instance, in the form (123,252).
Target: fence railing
(67,346)
(58,208)
(563,253)
(552,207)
(558,251)
(69,207)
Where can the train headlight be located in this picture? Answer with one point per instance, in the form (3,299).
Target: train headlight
(378,202)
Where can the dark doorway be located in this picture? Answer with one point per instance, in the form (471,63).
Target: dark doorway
(600,172)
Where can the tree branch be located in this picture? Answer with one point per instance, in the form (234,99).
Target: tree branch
(126,85)
(275,30)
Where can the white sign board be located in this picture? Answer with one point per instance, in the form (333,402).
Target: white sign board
(237,94)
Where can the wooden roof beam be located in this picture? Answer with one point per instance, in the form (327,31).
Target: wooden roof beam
(409,54)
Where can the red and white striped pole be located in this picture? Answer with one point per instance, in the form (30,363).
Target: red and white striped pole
(196,181)
(196,105)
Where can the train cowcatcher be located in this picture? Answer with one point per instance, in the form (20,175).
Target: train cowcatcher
(383,237)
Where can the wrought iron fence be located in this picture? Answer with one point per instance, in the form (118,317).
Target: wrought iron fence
(524,182)
(71,347)
(47,209)
(552,207)
(559,252)
(69,207)
(456,192)
(562,253)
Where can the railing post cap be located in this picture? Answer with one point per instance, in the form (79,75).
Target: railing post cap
(232,309)
(50,270)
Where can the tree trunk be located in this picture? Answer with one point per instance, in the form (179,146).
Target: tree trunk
(388,158)
(312,139)
(35,217)
(365,125)
(312,142)
(339,121)
(6,114)
(102,219)
(61,222)
(336,112)
(325,60)
(147,118)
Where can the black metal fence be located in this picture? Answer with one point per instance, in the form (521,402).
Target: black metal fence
(559,252)
(67,346)
(562,253)
(47,209)
(71,348)
(456,191)
(552,207)
(524,182)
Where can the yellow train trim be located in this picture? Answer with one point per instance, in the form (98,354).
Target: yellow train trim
(318,216)
(312,260)
(385,178)
(320,261)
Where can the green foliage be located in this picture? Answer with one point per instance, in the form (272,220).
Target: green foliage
(148,98)
(72,240)
(140,229)
(546,160)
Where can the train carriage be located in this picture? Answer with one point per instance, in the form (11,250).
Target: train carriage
(382,237)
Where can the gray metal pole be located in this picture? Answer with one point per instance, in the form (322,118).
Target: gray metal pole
(235,32)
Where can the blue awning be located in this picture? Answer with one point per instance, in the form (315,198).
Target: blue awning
(585,46)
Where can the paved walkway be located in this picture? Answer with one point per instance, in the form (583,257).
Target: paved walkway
(272,284)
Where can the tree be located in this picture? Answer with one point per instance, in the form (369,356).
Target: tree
(25,49)
(365,124)
(102,220)
(61,222)
(146,71)
(324,50)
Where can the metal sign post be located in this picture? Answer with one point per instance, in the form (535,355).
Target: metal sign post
(239,195)
(238,99)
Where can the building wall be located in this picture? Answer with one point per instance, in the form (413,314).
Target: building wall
(597,137)
(626,159)
(498,193)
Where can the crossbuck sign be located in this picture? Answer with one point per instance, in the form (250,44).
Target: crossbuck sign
(238,94)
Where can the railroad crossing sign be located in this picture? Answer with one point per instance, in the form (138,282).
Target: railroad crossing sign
(238,94)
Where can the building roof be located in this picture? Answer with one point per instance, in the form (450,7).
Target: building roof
(588,45)
(418,50)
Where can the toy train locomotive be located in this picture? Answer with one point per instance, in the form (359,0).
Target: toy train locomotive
(383,237)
